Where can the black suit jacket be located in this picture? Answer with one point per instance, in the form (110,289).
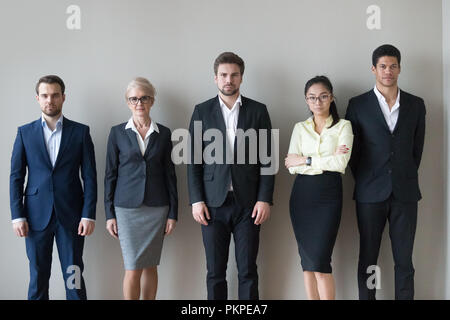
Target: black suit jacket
(132,179)
(210,182)
(385,163)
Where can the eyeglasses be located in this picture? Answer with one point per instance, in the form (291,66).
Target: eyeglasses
(321,98)
(143,100)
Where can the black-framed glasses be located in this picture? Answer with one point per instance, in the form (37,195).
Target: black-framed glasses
(321,98)
(143,100)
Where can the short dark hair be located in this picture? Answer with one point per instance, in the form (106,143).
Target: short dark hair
(50,79)
(327,84)
(229,57)
(385,50)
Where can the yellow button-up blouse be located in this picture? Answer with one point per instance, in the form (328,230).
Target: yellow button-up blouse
(321,148)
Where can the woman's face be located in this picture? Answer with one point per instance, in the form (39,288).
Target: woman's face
(139,102)
(319,99)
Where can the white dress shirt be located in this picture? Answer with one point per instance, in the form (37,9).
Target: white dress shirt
(391,115)
(230,116)
(52,138)
(143,143)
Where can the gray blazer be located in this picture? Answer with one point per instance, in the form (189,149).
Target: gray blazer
(132,179)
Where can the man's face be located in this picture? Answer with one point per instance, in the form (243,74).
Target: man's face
(386,71)
(228,79)
(50,99)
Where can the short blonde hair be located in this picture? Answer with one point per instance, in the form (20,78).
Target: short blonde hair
(142,84)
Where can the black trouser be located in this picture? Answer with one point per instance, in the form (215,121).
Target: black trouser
(372,217)
(229,219)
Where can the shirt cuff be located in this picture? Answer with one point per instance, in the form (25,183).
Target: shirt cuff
(19,219)
(198,203)
(88,219)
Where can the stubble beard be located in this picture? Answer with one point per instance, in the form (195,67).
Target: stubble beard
(229,93)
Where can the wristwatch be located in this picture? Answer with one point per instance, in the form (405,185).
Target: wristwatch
(308,161)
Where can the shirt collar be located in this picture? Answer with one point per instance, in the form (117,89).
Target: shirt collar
(59,122)
(238,102)
(328,122)
(153,126)
(381,97)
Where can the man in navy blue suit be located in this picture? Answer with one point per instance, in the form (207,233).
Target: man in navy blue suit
(54,205)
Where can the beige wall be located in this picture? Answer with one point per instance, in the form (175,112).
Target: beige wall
(174,44)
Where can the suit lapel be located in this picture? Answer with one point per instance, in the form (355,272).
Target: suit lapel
(133,140)
(220,125)
(378,114)
(218,116)
(40,141)
(402,111)
(241,122)
(67,128)
(242,114)
(153,144)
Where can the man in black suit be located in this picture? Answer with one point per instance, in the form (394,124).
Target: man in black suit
(389,131)
(230,195)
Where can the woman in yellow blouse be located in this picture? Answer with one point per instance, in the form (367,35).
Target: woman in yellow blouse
(319,151)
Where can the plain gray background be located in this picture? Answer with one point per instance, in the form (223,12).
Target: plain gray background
(174,44)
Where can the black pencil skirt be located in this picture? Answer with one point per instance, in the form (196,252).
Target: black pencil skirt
(315,208)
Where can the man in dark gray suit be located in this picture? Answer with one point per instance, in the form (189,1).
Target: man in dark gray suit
(230,195)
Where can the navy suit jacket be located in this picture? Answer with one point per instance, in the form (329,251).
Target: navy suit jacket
(57,187)
(385,163)
(132,179)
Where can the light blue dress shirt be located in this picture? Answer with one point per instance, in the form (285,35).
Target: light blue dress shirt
(52,138)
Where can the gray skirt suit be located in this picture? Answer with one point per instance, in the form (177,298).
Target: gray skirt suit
(140,192)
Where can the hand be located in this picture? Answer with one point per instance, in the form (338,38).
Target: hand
(341,149)
(21,228)
(294,160)
(170,225)
(261,211)
(86,227)
(199,210)
(111,226)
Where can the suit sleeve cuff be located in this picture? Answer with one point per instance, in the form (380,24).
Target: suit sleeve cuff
(18,220)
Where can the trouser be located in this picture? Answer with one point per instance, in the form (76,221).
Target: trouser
(39,246)
(372,217)
(229,219)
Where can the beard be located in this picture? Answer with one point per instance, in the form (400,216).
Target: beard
(230,92)
(53,112)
